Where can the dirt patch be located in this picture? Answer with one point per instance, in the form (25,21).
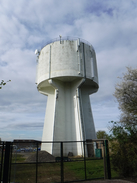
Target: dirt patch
(43,156)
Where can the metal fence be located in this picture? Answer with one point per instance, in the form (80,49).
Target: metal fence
(24,162)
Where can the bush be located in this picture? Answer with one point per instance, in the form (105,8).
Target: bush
(123,149)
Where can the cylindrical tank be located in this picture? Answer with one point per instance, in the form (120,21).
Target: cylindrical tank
(67,74)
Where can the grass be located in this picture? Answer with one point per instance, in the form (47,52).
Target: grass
(50,172)
(94,169)
(18,158)
(26,173)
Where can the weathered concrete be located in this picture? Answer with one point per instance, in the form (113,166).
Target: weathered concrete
(67,74)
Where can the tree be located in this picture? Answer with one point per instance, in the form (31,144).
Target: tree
(123,138)
(3,83)
(123,148)
(126,95)
(101,134)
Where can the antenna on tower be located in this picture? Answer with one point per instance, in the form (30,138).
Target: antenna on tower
(37,52)
(60,38)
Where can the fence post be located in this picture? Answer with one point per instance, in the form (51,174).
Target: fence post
(37,164)
(11,147)
(104,158)
(7,162)
(107,160)
(1,161)
(62,167)
(85,161)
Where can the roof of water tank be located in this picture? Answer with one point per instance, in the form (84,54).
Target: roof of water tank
(70,38)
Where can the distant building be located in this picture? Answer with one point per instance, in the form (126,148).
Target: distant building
(26,143)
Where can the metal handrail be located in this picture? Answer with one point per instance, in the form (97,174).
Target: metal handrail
(70,38)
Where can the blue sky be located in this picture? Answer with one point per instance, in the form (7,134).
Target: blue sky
(110,26)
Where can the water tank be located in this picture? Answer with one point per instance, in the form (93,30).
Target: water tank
(67,74)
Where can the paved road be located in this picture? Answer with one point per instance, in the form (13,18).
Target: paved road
(107,181)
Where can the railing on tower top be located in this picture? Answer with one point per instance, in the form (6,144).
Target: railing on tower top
(65,38)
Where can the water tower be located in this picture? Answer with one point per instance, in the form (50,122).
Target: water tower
(67,74)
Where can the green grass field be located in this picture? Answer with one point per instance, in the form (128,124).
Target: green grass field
(50,172)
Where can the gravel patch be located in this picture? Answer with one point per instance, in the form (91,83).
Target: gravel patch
(43,156)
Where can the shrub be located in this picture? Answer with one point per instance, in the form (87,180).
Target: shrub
(123,149)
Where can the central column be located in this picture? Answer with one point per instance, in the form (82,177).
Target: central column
(63,117)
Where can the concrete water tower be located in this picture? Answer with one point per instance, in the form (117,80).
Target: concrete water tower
(67,74)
